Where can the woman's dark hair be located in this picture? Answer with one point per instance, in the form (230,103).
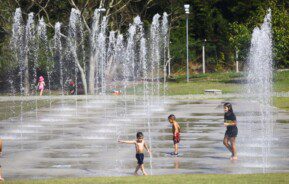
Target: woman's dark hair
(229,105)
(172,117)
(139,134)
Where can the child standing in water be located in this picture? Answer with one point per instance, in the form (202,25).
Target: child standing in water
(232,131)
(41,85)
(139,148)
(1,143)
(176,133)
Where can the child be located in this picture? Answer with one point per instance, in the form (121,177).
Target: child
(232,130)
(1,178)
(71,88)
(176,133)
(1,143)
(139,148)
(41,85)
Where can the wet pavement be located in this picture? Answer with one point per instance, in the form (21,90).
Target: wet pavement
(78,138)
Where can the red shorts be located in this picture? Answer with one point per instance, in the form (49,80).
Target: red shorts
(176,138)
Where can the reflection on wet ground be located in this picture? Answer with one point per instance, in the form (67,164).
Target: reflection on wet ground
(79,139)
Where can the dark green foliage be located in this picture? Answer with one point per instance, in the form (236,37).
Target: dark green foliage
(226,24)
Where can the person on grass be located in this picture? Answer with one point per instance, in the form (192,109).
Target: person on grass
(41,85)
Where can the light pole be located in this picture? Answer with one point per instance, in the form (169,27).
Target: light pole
(101,10)
(187,11)
(203,56)
(237,62)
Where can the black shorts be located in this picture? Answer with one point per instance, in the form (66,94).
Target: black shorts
(231,131)
(139,157)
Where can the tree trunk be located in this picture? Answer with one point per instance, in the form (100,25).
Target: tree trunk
(91,74)
(93,55)
(26,75)
(82,74)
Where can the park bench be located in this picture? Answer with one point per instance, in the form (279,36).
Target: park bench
(213,92)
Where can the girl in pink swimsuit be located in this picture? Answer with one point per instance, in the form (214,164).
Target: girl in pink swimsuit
(41,85)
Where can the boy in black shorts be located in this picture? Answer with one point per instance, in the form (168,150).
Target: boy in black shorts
(139,148)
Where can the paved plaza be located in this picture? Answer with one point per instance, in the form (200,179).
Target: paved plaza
(78,138)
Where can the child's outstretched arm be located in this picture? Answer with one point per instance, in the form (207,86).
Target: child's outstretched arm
(147,148)
(127,142)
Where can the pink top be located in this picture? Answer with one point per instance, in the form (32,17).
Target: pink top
(41,85)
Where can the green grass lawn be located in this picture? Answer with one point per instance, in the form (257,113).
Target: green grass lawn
(281,102)
(170,179)
(281,81)
(13,108)
(229,82)
(183,88)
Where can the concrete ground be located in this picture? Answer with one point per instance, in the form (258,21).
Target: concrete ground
(78,138)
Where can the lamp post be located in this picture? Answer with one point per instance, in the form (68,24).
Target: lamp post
(187,11)
(101,10)
(237,62)
(203,56)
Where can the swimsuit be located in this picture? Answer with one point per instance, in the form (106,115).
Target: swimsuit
(41,87)
(176,138)
(140,158)
(232,131)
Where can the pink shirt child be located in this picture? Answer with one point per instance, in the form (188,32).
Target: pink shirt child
(41,83)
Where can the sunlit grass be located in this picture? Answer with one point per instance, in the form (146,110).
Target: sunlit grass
(277,178)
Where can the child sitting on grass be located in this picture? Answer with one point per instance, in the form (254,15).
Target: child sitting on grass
(139,148)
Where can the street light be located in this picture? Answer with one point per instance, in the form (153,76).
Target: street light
(101,10)
(187,11)
(203,55)
(237,60)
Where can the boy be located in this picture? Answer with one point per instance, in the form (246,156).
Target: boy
(1,143)
(176,133)
(139,148)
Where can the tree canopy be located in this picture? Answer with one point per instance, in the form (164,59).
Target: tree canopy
(225,24)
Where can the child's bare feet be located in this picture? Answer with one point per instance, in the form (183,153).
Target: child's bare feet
(1,179)
(135,174)
(235,158)
(145,174)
